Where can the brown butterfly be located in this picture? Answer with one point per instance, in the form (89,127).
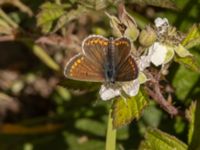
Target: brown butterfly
(103,60)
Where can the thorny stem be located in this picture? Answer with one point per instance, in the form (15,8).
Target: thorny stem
(157,96)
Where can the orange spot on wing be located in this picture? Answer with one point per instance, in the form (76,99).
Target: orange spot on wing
(100,42)
(78,61)
(96,41)
(117,43)
(105,43)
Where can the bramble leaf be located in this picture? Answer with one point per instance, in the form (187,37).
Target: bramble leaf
(48,14)
(193,37)
(159,3)
(124,111)
(69,16)
(190,115)
(194,131)
(158,140)
(5,27)
(189,62)
(184,80)
(182,51)
(96,5)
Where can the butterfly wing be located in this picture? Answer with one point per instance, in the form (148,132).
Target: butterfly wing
(89,66)
(81,68)
(127,70)
(95,48)
(126,67)
(122,50)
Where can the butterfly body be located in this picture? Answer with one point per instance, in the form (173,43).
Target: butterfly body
(109,64)
(103,60)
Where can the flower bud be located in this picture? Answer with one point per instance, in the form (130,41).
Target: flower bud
(132,33)
(131,27)
(115,25)
(147,37)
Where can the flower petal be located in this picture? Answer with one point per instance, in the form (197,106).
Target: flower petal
(162,25)
(159,22)
(144,62)
(108,92)
(157,52)
(131,88)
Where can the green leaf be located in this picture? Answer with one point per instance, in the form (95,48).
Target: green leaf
(81,141)
(188,62)
(158,140)
(193,36)
(96,128)
(69,16)
(8,20)
(183,81)
(193,43)
(195,144)
(124,111)
(149,119)
(94,4)
(182,51)
(190,115)
(5,28)
(48,14)
(49,5)
(158,3)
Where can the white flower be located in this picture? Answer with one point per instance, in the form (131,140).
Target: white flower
(109,91)
(162,51)
(144,62)
(157,53)
(162,25)
(159,22)
(131,88)
(160,54)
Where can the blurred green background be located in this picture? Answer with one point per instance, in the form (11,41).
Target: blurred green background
(40,109)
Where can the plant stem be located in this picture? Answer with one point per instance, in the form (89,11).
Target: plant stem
(111,134)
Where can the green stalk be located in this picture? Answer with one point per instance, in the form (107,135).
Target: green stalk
(41,54)
(111,134)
